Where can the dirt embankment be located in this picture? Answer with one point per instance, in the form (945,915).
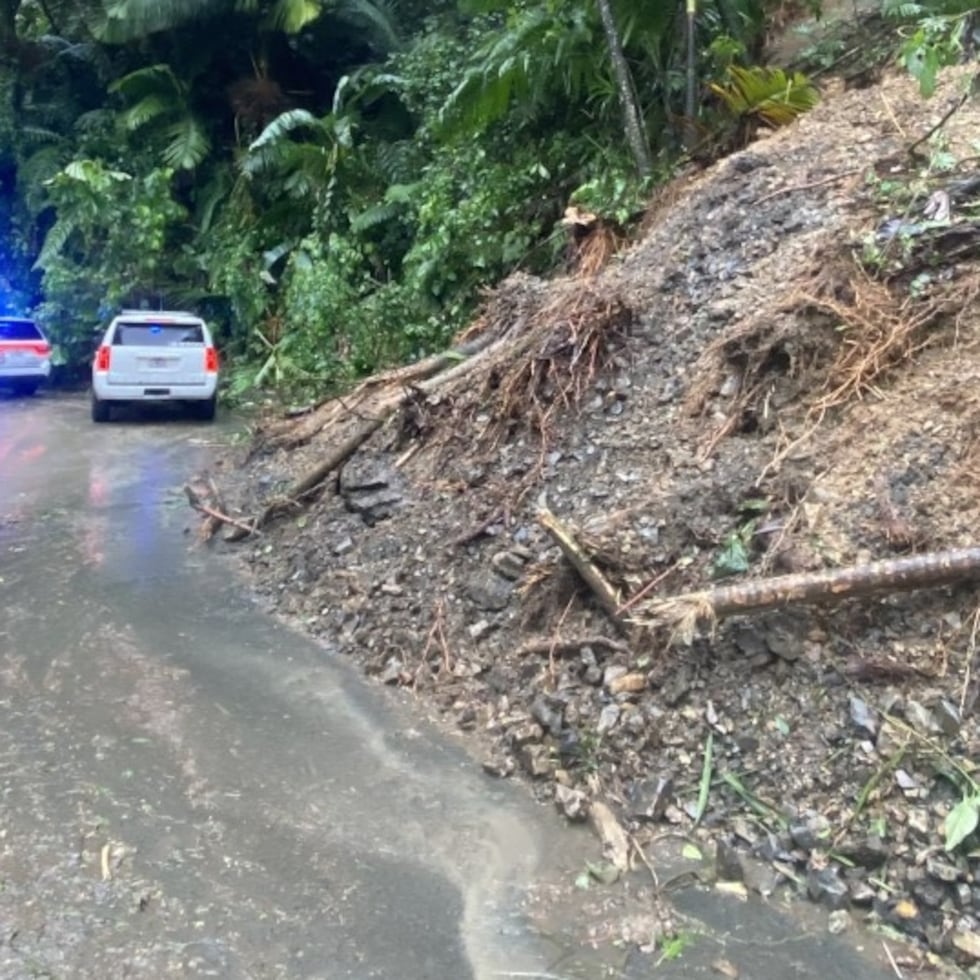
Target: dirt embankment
(781,376)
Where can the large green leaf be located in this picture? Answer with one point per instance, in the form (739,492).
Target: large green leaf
(187,144)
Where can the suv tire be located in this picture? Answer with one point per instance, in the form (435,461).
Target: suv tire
(100,410)
(205,410)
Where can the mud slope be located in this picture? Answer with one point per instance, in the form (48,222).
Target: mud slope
(771,381)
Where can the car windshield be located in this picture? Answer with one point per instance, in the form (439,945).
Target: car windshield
(19,330)
(157,334)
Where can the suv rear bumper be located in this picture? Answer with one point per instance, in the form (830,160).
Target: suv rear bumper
(36,372)
(160,391)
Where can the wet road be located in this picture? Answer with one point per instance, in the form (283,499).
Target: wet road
(190,789)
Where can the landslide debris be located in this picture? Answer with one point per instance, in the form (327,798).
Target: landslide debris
(782,375)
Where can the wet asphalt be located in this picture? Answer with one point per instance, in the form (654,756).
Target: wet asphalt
(188,788)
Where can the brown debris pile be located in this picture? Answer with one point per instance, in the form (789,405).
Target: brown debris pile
(736,397)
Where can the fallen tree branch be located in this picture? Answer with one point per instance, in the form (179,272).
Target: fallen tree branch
(685,612)
(604,592)
(297,434)
(215,514)
(381,412)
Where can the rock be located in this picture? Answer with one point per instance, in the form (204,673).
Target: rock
(827,887)
(612,673)
(488,591)
(499,765)
(947,716)
(869,852)
(918,820)
(729,861)
(862,717)
(929,894)
(810,833)
(648,798)
(392,672)
(478,630)
(608,718)
(906,782)
(569,746)
(344,545)
(627,683)
(549,717)
(573,803)
(902,912)
(526,733)
(942,870)
(968,942)
(838,921)
(536,760)
(371,487)
(861,892)
(508,564)
(921,718)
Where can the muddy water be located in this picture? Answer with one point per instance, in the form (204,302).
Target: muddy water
(190,789)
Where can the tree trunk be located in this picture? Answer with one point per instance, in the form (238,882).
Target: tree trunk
(690,101)
(627,98)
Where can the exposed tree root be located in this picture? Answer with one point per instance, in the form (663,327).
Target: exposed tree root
(517,366)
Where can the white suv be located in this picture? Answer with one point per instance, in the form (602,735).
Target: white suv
(164,356)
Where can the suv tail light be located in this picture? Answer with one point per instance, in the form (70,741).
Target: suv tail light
(102,358)
(39,348)
(210,360)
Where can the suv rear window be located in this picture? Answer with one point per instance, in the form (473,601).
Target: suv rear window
(157,334)
(19,330)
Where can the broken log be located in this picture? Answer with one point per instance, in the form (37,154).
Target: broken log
(380,413)
(322,416)
(685,612)
(608,597)
(218,516)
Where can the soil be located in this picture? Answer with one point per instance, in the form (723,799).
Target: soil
(770,380)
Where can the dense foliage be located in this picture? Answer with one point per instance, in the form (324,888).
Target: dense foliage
(333,182)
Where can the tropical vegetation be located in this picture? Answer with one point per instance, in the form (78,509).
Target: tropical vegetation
(334,182)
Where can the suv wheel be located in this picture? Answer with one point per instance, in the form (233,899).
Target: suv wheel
(100,410)
(205,410)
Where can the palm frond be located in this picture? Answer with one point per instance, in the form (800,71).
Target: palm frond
(149,108)
(187,144)
(397,162)
(35,135)
(373,216)
(283,125)
(210,197)
(55,240)
(152,80)
(768,94)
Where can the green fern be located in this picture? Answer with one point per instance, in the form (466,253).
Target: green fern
(376,215)
(768,95)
